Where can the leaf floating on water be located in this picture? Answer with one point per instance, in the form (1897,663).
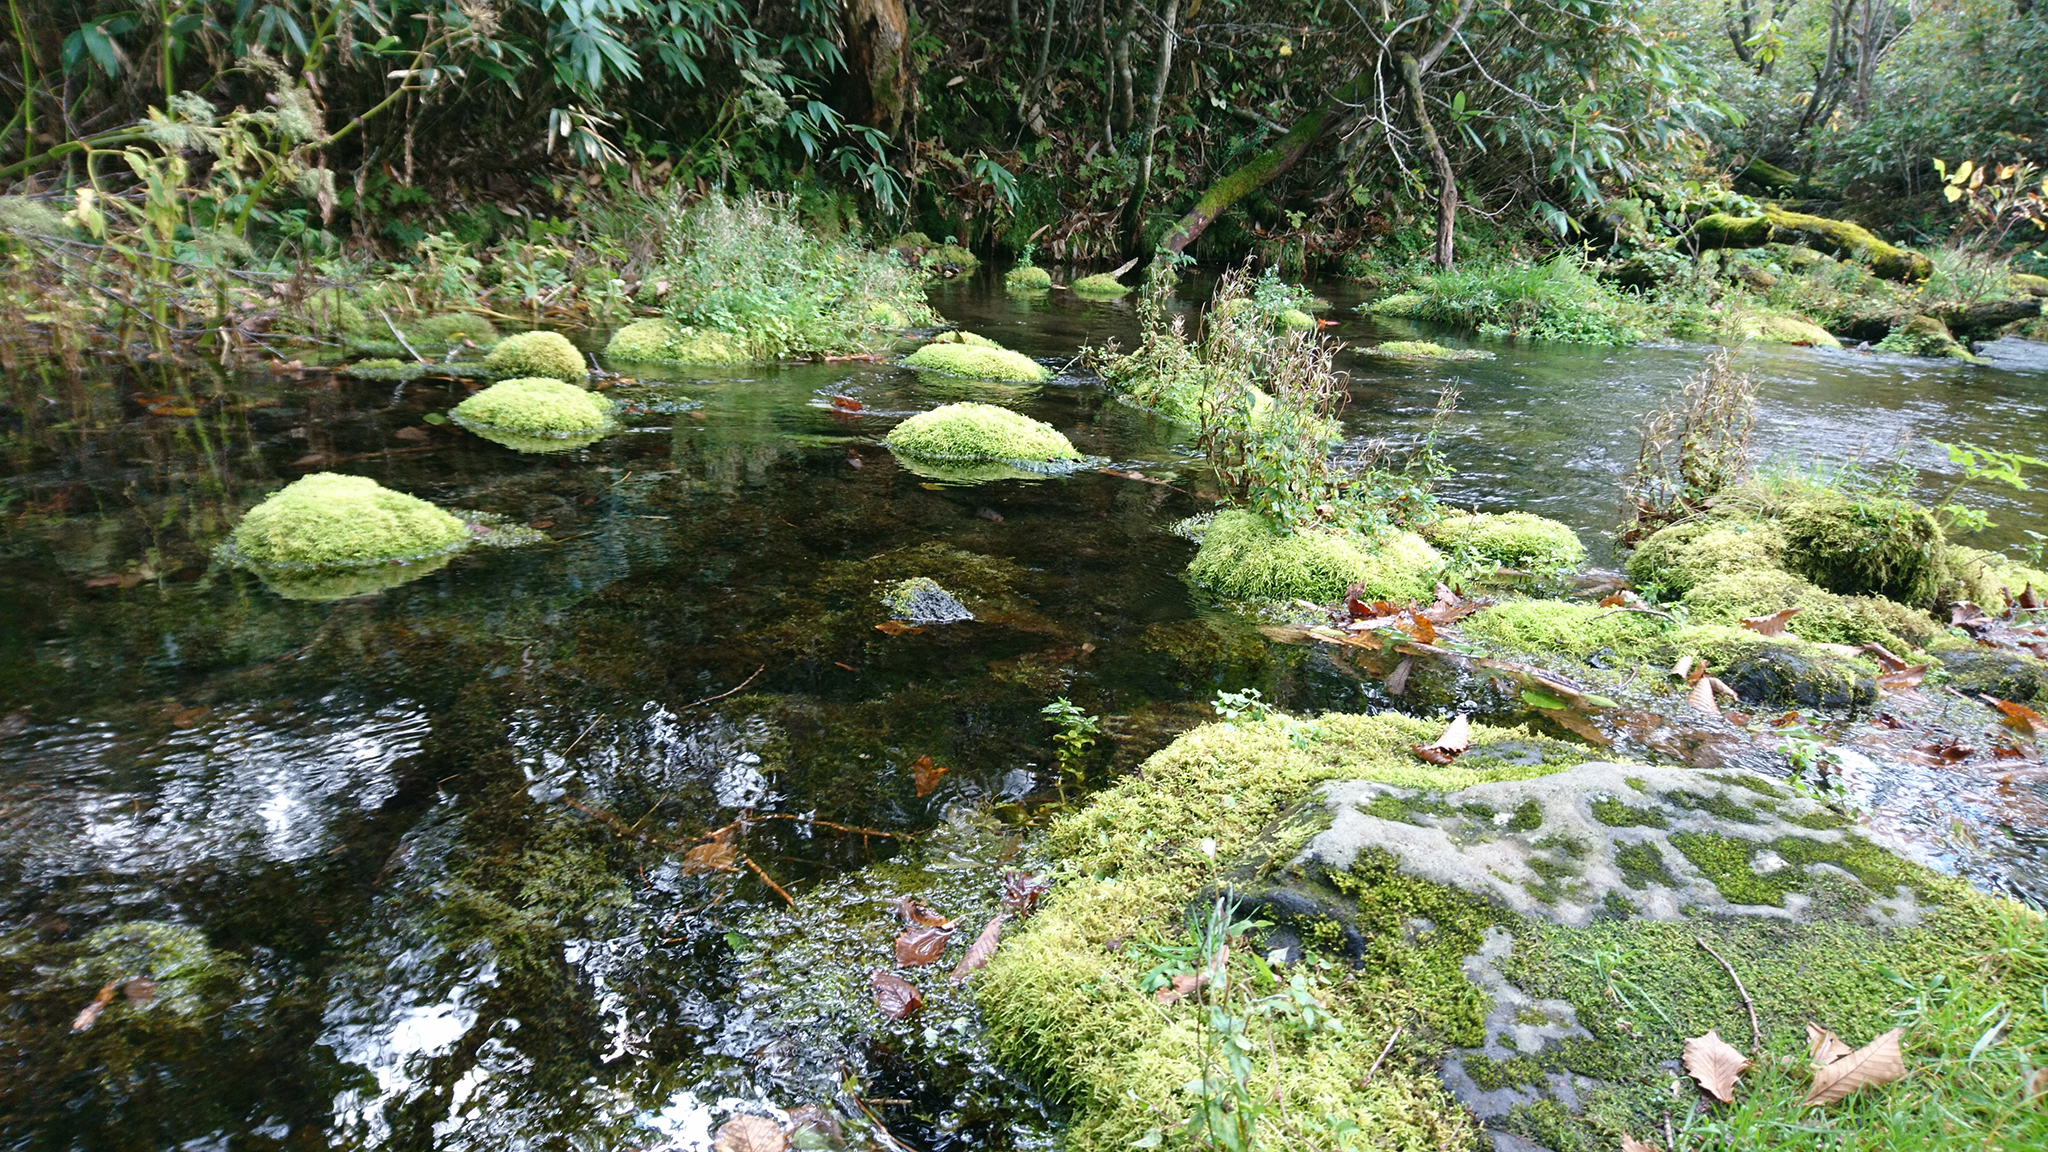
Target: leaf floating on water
(918,946)
(917,912)
(846,404)
(1456,738)
(1772,625)
(714,855)
(1876,1063)
(1419,627)
(1714,1064)
(91,1012)
(1940,755)
(896,628)
(750,1134)
(895,997)
(2018,717)
(1823,1046)
(1023,890)
(984,947)
(925,775)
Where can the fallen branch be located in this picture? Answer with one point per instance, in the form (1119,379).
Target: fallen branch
(1388,1047)
(1756,1034)
(768,880)
(722,695)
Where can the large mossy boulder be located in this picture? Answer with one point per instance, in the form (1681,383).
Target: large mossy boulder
(1924,336)
(329,521)
(973,434)
(1868,546)
(530,354)
(1027,278)
(1781,328)
(969,356)
(536,415)
(670,342)
(1244,556)
(1990,580)
(1101,286)
(1515,540)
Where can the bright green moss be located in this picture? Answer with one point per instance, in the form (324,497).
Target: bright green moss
(962,336)
(1781,328)
(536,415)
(1564,628)
(1296,319)
(975,361)
(1516,540)
(529,354)
(435,335)
(1876,546)
(1244,557)
(1727,861)
(1823,618)
(1615,814)
(1029,278)
(1420,351)
(326,521)
(1681,556)
(1848,241)
(970,432)
(1101,284)
(1642,865)
(1401,305)
(1990,580)
(666,340)
(1527,817)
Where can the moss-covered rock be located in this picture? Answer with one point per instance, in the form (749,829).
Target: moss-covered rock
(1874,546)
(330,521)
(970,433)
(437,334)
(665,340)
(1848,241)
(536,415)
(1294,319)
(1781,328)
(1990,580)
(1677,558)
(1421,351)
(1400,305)
(1029,278)
(919,600)
(1978,671)
(529,354)
(1924,336)
(962,336)
(2030,284)
(1101,285)
(1517,540)
(1823,617)
(983,360)
(1245,557)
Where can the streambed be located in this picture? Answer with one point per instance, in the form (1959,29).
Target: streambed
(407,933)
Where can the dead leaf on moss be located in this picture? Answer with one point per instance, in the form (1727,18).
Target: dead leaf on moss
(91,1012)
(749,1134)
(1772,625)
(1456,738)
(916,947)
(916,912)
(1631,1144)
(1878,1062)
(1884,656)
(1023,890)
(1714,1064)
(1419,627)
(1184,985)
(1824,1046)
(1619,599)
(895,997)
(984,946)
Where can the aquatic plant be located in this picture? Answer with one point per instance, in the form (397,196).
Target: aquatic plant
(668,341)
(1694,446)
(971,432)
(327,521)
(984,361)
(529,354)
(1244,556)
(537,409)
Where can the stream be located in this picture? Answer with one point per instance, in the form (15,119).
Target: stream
(422,848)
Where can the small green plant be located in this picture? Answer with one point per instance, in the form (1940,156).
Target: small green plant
(1074,733)
(1979,465)
(1248,705)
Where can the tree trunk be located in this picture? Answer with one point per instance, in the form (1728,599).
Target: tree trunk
(1120,66)
(1134,209)
(879,82)
(1249,178)
(1446,176)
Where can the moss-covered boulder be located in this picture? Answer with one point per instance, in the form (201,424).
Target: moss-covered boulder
(1924,336)
(983,434)
(1101,285)
(442,332)
(668,341)
(1028,278)
(1872,546)
(1296,320)
(529,354)
(536,415)
(974,357)
(1244,556)
(1421,351)
(1677,558)
(921,601)
(1516,540)
(1781,328)
(327,520)
(1992,581)
(1401,305)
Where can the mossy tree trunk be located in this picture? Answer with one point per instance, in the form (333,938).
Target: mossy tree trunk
(877,65)
(1134,208)
(1413,69)
(1248,178)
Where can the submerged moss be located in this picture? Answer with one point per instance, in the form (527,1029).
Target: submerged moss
(1245,557)
(985,361)
(970,432)
(529,354)
(326,521)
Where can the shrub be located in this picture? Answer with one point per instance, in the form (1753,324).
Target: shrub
(971,432)
(1693,447)
(976,362)
(531,354)
(326,521)
(1559,300)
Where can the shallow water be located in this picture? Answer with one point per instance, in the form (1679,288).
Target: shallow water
(432,836)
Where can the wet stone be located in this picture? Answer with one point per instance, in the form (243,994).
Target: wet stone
(921,601)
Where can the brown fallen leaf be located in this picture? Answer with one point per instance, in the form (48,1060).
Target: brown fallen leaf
(1905,677)
(2007,753)
(896,628)
(1823,1046)
(1702,696)
(2018,717)
(1184,985)
(1714,1064)
(717,854)
(1617,600)
(411,432)
(925,776)
(1682,669)
(1579,726)
(919,945)
(91,1012)
(749,1134)
(895,997)
(1884,656)
(1631,1144)
(2037,1084)
(1876,1063)
(984,946)
(1456,738)
(1942,754)
(1023,890)
(917,913)
(846,403)
(1772,625)
(1420,628)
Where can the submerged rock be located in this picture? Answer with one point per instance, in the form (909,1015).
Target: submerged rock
(530,354)
(1421,350)
(920,600)
(1246,557)
(1924,336)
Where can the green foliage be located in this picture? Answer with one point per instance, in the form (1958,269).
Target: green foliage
(982,432)
(1101,285)
(1028,278)
(529,354)
(327,520)
(665,340)
(1515,540)
(1074,732)
(1557,300)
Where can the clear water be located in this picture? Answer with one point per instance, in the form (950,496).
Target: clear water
(365,807)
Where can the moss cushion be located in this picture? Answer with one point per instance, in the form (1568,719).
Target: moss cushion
(971,432)
(537,354)
(326,521)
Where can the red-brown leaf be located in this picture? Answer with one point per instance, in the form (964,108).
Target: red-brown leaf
(1884,656)
(846,403)
(895,997)
(917,913)
(1616,599)
(91,1012)
(1714,1064)
(1905,677)
(984,947)
(2018,716)
(1023,890)
(896,628)
(1772,625)
(917,946)
(1419,627)
(925,776)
